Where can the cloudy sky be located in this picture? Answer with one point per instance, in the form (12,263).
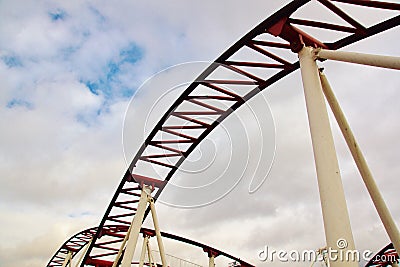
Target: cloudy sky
(69,70)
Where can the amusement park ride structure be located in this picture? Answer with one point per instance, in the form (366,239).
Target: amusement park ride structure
(213,95)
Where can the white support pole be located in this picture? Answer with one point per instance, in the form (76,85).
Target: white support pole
(211,260)
(144,247)
(333,202)
(121,249)
(158,233)
(359,58)
(150,254)
(83,253)
(362,165)
(67,259)
(136,225)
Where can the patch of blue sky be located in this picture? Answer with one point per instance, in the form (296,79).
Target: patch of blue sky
(57,15)
(100,17)
(90,117)
(80,214)
(68,51)
(12,61)
(109,83)
(13,103)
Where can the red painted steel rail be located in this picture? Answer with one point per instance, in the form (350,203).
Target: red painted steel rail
(215,95)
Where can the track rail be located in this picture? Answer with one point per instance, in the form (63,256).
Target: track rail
(222,88)
(385,257)
(78,241)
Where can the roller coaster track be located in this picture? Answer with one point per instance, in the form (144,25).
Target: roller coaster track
(385,257)
(78,241)
(215,94)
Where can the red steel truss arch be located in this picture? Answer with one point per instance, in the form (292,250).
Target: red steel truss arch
(172,137)
(78,241)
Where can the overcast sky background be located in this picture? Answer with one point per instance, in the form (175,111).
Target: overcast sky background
(68,71)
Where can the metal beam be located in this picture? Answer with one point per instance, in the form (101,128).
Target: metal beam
(136,225)
(359,58)
(333,202)
(67,259)
(362,165)
(158,233)
(144,248)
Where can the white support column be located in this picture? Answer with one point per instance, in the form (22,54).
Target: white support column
(362,165)
(121,249)
(158,233)
(83,253)
(333,202)
(67,259)
(150,255)
(144,248)
(359,58)
(136,225)
(211,261)
(211,256)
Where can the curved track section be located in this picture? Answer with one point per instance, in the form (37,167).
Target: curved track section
(73,245)
(258,60)
(385,257)
(81,239)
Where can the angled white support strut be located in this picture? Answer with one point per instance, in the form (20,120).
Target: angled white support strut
(158,233)
(359,58)
(84,253)
(143,253)
(67,259)
(135,228)
(132,235)
(333,202)
(362,165)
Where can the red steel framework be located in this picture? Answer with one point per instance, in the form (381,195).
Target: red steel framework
(78,241)
(386,257)
(213,95)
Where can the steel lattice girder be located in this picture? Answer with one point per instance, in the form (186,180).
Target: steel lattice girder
(277,58)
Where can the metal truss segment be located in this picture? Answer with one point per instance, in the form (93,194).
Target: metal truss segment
(373,30)
(104,255)
(268,54)
(271,44)
(158,162)
(180,135)
(385,257)
(344,16)
(221,90)
(182,127)
(371,3)
(181,116)
(242,72)
(232,82)
(109,242)
(118,221)
(106,248)
(322,25)
(256,64)
(197,102)
(163,155)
